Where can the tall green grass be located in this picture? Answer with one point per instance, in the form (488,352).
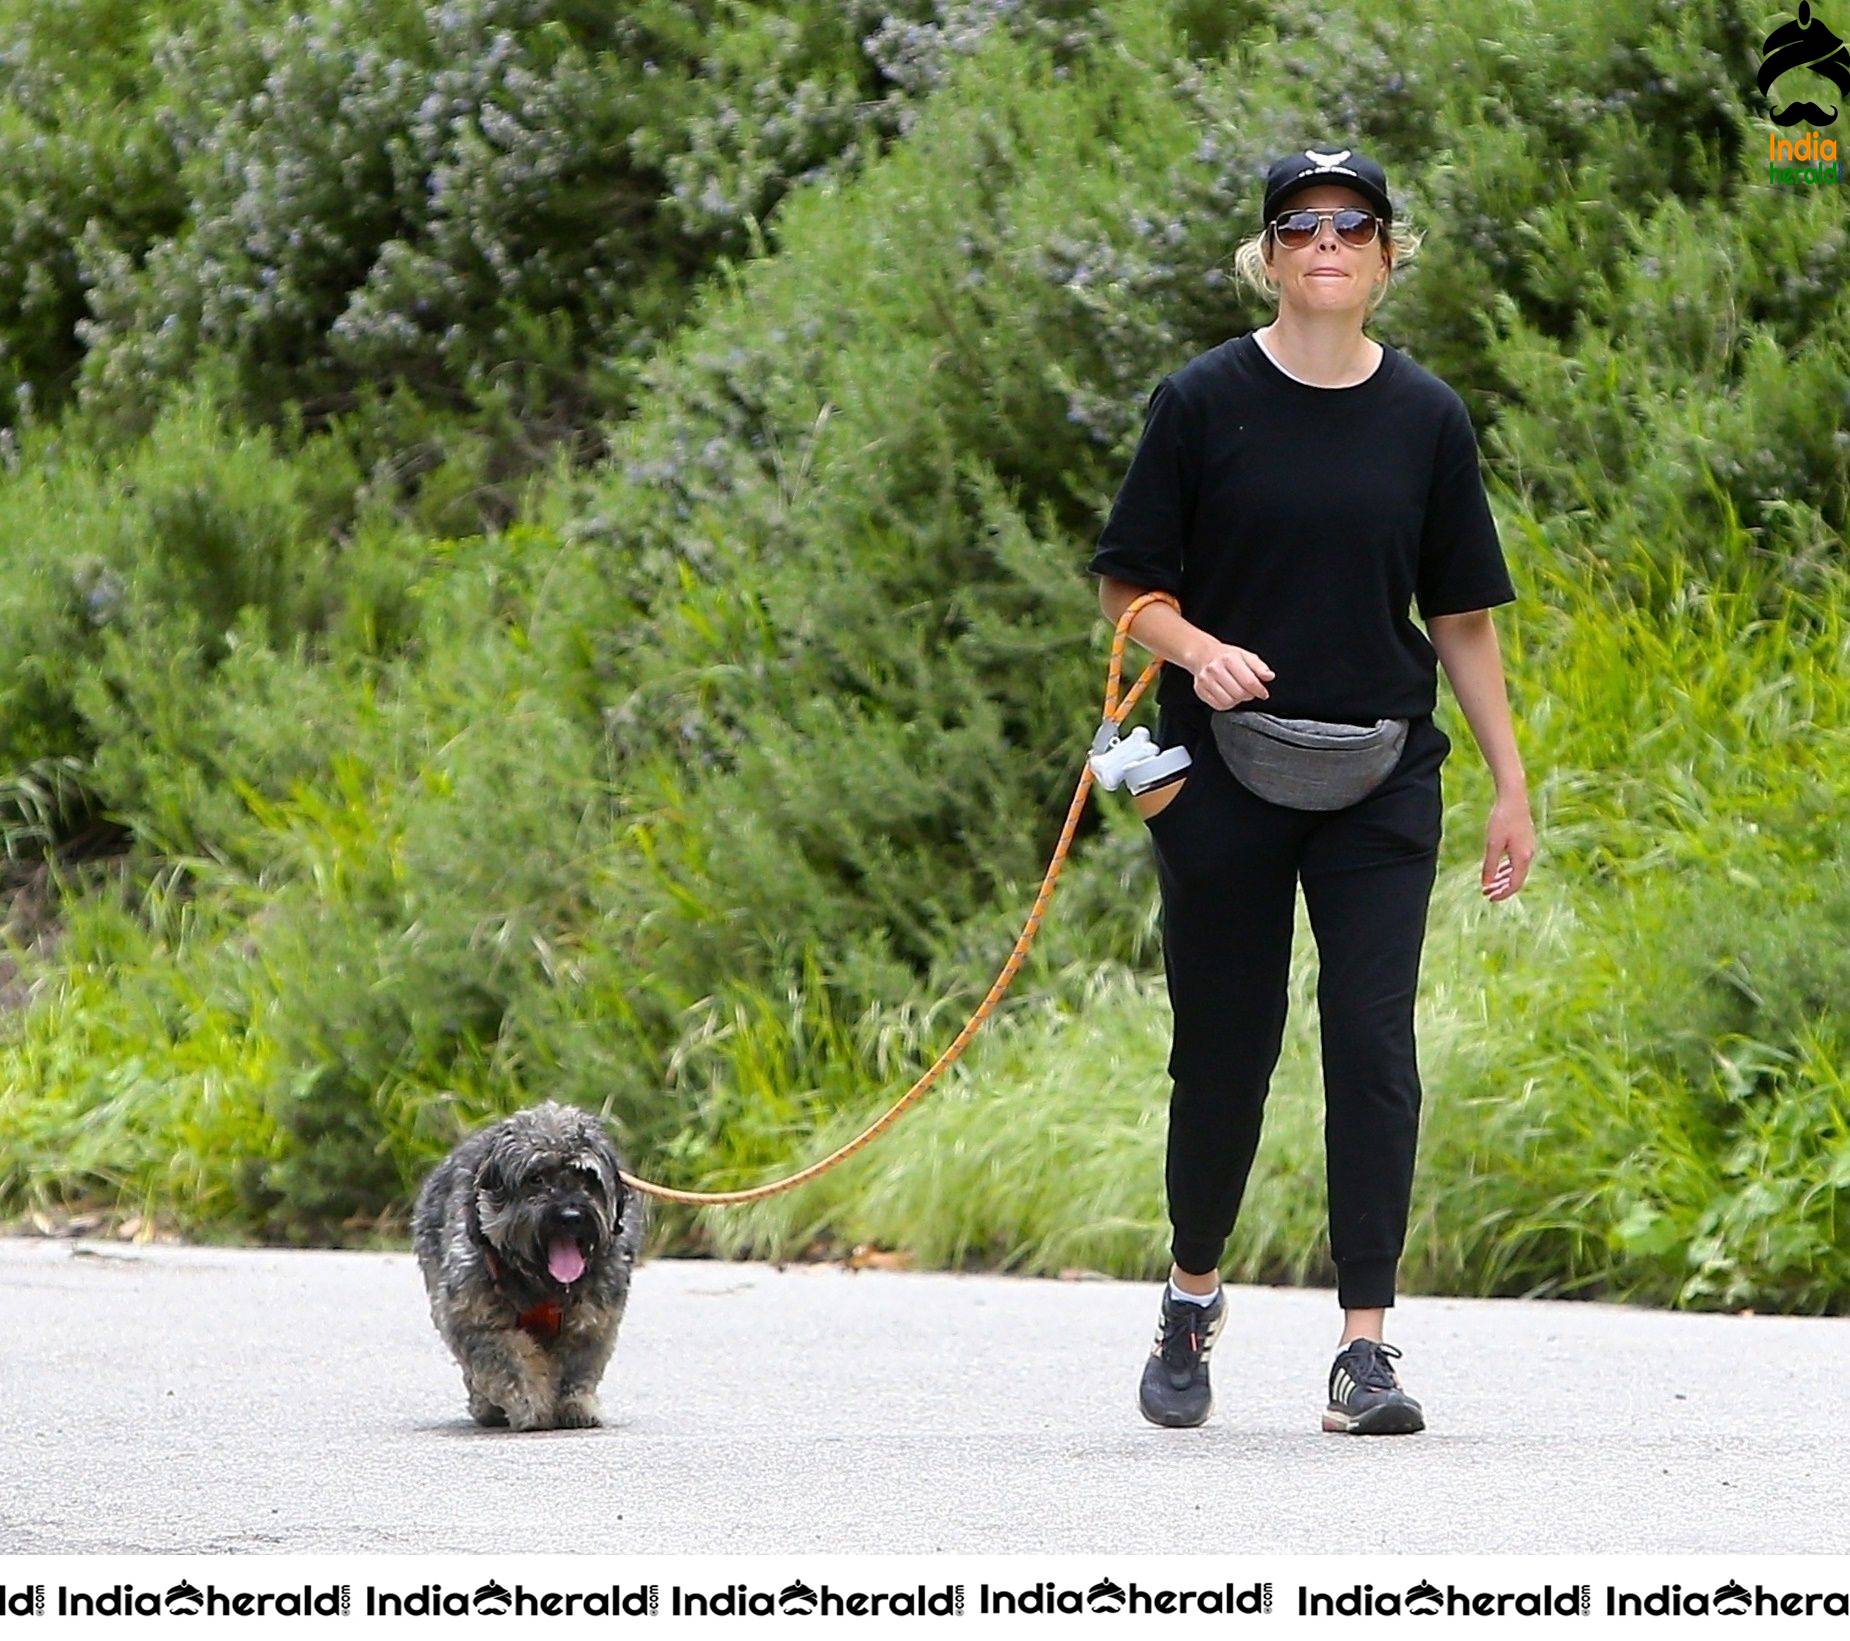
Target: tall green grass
(1634,1071)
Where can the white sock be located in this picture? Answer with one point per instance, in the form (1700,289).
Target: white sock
(1193,1298)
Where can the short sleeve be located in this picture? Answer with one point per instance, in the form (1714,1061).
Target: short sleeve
(1461,558)
(1149,522)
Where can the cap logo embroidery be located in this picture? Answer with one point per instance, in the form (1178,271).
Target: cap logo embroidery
(1327,162)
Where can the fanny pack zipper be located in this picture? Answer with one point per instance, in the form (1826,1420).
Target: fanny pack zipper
(1259,727)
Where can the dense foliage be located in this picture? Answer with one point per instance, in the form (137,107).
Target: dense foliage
(545,561)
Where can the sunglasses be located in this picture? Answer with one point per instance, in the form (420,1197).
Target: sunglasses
(1354,226)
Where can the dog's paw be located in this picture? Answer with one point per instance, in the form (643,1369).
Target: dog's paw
(578,1413)
(524,1411)
(484,1412)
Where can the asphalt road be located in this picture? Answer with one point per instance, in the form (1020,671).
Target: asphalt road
(209,1399)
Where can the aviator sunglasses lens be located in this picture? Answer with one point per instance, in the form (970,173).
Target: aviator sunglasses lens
(1299,228)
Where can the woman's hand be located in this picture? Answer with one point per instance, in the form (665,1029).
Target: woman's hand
(1509,845)
(1230,675)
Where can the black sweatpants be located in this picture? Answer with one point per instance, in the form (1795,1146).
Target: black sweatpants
(1228,863)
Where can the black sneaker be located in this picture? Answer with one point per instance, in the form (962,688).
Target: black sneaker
(1175,1389)
(1365,1397)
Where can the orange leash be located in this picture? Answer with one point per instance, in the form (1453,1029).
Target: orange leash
(1115,712)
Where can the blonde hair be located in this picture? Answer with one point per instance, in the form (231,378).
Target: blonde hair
(1249,263)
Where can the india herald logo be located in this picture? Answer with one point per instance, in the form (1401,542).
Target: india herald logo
(1808,44)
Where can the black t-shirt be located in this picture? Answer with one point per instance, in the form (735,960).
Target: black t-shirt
(1299,522)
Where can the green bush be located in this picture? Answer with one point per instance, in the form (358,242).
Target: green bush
(666,694)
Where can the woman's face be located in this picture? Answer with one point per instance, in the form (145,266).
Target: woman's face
(1327,276)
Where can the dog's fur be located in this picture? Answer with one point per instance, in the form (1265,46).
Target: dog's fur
(532,1347)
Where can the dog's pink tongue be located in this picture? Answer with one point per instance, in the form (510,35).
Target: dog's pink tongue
(564,1260)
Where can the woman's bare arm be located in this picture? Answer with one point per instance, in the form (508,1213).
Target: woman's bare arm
(1225,674)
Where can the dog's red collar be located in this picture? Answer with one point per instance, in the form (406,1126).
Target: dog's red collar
(543,1320)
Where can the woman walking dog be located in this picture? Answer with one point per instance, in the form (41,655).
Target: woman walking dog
(1296,488)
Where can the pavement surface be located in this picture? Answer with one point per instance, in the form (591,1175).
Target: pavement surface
(169,1399)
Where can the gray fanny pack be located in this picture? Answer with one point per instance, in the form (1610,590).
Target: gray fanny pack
(1306,764)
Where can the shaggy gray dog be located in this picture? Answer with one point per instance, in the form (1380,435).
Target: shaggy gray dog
(526,1238)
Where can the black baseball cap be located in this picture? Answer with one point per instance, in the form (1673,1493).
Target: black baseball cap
(1310,166)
